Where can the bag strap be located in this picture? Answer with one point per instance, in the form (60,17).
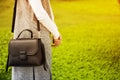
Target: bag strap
(33,73)
(7,66)
(38,25)
(14,16)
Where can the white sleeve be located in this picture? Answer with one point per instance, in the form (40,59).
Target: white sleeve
(43,17)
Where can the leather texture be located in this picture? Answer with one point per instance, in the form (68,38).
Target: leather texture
(26,52)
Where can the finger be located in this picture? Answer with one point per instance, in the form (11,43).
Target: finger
(56,43)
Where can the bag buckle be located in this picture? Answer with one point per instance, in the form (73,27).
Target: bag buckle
(23,55)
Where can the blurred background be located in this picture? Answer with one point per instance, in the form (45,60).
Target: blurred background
(90,49)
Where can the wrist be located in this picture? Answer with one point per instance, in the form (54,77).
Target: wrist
(56,36)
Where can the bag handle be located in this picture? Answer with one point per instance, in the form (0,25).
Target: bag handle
(25,30)
(38,27)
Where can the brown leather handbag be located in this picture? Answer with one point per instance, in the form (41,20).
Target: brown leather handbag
(25,51)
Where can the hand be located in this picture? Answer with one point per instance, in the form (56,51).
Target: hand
(56,42)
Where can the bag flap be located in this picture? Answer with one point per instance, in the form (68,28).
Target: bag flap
(27,46)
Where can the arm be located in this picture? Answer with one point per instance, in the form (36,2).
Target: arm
(43,17)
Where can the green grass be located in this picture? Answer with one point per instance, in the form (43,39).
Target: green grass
(4,38)
(90,47)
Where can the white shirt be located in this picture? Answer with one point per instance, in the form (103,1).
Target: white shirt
(43,17)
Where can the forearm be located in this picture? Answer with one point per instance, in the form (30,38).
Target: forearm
(43,17)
